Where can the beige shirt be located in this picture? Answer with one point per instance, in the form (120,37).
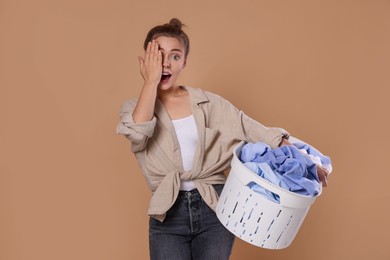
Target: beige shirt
(220,127)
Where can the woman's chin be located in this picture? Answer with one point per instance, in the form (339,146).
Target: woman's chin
(164,86)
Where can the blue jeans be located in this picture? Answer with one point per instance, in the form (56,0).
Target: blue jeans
(191,230)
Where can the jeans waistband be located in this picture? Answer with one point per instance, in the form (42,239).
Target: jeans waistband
(184,193)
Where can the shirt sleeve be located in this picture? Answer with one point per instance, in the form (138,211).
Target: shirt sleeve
(248,129)
(255,131)
(137,133)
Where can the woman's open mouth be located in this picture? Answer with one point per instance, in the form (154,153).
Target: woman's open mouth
(165,77)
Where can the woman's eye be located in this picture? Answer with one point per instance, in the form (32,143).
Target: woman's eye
(175,57)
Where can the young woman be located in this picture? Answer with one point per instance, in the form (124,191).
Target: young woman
(183,138)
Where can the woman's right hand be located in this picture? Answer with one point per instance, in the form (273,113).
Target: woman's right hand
(151,64)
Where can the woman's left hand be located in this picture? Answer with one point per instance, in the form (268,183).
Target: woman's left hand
(321,171)
(323,175)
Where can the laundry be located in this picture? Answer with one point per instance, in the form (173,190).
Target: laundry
(315,155)
(293,167)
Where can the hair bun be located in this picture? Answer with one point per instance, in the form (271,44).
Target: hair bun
(175,23)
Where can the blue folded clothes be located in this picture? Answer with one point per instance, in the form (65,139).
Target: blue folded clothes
(315,155)
(292,169)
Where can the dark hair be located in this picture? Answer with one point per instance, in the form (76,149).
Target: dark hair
(171,29)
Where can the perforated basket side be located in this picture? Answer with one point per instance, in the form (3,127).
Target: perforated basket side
(254,218)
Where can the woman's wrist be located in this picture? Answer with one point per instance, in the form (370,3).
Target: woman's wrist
(284,141)
(150,84)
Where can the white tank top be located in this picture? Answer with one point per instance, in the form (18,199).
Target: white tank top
(187,136)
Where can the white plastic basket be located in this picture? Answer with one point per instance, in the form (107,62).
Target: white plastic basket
(254,218)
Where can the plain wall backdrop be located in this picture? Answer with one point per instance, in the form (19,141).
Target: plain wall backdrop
(71,189)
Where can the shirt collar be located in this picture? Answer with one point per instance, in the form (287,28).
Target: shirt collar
(197,95)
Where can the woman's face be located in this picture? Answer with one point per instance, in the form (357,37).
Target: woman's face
(173,60)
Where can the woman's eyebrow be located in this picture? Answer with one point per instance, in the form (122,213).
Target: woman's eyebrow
(172,50)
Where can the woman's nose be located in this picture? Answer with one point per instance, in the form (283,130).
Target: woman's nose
(166,62)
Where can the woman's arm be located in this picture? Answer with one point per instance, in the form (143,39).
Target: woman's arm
(151,69)
(137,115)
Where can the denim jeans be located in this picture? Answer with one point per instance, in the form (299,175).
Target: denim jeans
(191,230)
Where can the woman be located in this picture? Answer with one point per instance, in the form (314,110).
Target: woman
(183,138)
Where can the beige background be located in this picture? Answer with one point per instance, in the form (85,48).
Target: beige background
(71,189)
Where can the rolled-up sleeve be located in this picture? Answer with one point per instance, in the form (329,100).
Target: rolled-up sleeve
(255,131)
(137,133)
(248,129)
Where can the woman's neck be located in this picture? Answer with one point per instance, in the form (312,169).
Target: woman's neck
(176,102)
(174,91)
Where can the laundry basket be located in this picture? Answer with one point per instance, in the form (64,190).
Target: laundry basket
(254,218)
